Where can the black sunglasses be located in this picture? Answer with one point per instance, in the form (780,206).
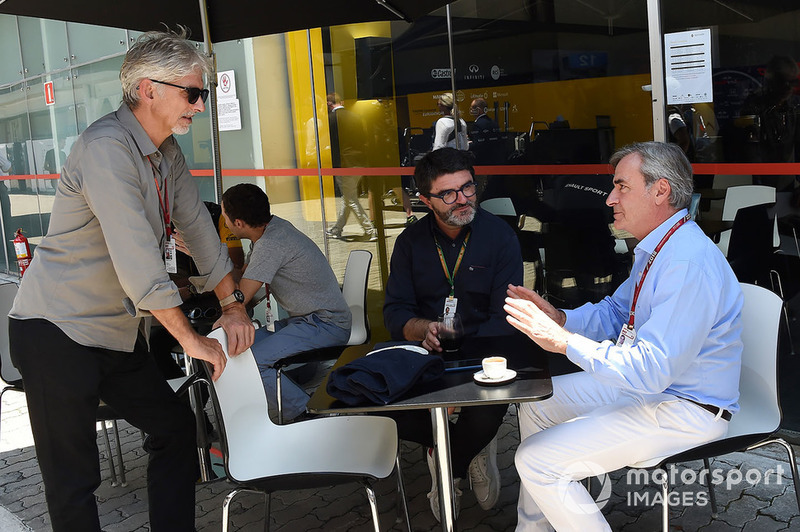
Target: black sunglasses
(192,93)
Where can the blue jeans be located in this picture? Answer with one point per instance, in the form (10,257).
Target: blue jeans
(292,335)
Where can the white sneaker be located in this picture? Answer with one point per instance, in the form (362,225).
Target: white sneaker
(433,495)
(484,477)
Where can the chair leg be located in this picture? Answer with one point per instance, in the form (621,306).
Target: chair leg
(373,505)
(279,374)
(123,482)
(401,492)
(226,503)
(665,502)
(792,463)
(109,455)
(712,496)
(267,510)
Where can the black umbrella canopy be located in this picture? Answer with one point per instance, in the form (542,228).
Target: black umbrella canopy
(228,19)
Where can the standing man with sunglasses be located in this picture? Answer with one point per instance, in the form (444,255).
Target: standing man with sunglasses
(458,255)
(79,323)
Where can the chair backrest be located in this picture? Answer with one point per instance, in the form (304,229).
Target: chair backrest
(693,206)
(499,206)
(354,289)
(255,447)
(8,372)
(744,196)
(750,245)
(758,385)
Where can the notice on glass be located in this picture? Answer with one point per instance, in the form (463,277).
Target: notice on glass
(228,115)
(688,66)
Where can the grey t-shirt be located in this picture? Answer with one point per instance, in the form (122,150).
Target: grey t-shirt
(297,274)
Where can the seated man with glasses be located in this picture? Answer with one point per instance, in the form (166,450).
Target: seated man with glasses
(458,257)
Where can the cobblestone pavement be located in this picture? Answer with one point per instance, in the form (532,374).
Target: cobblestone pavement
(631,507)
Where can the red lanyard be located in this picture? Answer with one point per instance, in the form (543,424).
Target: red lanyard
(650,263)
(163,203)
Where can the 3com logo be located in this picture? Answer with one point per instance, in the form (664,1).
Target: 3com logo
(567,491)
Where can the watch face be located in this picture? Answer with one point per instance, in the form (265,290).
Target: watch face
(238,295)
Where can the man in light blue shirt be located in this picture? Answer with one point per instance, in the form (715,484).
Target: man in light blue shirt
(661,356)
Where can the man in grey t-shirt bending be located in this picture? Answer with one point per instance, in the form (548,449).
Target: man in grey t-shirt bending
(296,272)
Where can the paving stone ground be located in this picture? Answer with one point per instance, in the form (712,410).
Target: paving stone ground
(631,507)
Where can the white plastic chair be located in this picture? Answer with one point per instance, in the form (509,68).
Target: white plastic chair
(745,196)
(262,457)
(694,205)
(354,289)
(504,208)
(759,402)
(11,379)
(499,206)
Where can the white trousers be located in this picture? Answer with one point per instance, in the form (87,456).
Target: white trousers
(593,428)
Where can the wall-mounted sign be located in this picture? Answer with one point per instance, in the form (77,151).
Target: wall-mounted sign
(228,113)
(688,66)
(49,93)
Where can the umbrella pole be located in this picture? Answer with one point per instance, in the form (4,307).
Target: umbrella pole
(457,116)
(212,83)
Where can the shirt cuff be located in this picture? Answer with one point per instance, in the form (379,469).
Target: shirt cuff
(162,295)
(580,350)
(223,266)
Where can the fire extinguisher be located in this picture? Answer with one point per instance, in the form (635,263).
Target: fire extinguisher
(23,251)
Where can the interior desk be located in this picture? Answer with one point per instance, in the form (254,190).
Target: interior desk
(456,389)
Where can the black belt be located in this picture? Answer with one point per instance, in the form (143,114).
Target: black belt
(726,415)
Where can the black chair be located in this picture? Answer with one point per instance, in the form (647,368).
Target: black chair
(752,255)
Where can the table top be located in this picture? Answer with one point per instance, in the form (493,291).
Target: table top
(457,387)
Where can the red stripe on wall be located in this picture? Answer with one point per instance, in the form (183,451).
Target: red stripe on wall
(524,169)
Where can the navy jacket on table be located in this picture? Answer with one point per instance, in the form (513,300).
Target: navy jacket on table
(417,285)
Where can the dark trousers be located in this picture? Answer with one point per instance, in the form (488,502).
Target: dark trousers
(63,381)
(474,429)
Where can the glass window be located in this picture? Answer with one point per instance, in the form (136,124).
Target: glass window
(19,206)
(44,45)
(754,114)
(11,65)
(87,43)
(97,90)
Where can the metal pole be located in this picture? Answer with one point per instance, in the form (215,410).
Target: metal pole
(457,117)
(325,247)
(212,84)
(656,69)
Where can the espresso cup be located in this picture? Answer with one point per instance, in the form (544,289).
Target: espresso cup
(494,367)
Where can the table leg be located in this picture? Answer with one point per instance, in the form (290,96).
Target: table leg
(195,400)
(441,446)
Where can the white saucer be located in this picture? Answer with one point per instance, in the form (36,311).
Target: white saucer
(481,378)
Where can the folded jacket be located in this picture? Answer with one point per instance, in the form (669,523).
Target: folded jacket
(384,375)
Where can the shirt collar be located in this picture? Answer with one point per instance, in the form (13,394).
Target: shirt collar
(140,136)
(437,232)
(648,244)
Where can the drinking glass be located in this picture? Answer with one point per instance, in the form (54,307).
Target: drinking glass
(450,332)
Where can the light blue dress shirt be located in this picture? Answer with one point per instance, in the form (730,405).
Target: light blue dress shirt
(688,323)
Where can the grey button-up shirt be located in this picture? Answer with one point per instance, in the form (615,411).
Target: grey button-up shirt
(100,268)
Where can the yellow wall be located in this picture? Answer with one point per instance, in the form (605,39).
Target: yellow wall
(578,101)
(303,118)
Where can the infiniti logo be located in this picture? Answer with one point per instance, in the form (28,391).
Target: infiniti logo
(474,68)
